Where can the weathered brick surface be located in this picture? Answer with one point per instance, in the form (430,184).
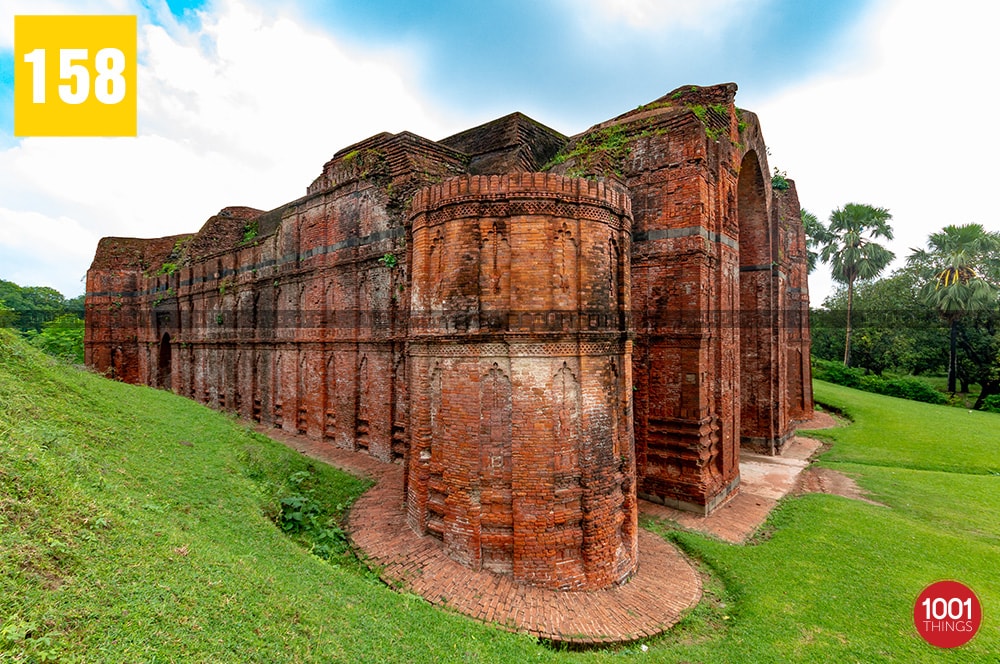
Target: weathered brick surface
(712,292)
(430,298)
(664,586)
(521,453)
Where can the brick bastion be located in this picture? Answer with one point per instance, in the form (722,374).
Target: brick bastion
(539,329)
(521,451)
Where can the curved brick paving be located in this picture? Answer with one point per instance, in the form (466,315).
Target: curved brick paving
(651,602)
(664,586)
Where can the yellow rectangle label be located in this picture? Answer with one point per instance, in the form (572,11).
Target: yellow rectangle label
(75,75)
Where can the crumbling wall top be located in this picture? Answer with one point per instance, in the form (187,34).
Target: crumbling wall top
(224,231)
(509,144)
(387,156)
(130,253)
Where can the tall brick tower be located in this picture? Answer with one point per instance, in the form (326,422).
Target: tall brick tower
(521,457)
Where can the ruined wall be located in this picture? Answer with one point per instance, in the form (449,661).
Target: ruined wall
(117,286)
(797,341)
(294,318)
(521,456)
(513,391)
(709,289)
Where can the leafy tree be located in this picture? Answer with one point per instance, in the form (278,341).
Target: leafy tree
(44,317)
(33,305)
(961,268)
(7,315)
(849,247)
(76,305)
(61,337)
(893,329)
(979,339)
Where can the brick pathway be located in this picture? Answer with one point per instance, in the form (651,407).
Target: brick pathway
(764,480)
(664,586)
(652,601)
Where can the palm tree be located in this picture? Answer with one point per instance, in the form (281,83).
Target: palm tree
(816,234)
(849,246)
(957,265)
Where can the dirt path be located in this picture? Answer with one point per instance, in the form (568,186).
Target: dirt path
(815,479)
(824,480)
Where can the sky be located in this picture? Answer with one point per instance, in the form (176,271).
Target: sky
(240,102)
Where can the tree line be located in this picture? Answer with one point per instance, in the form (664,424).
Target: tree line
(940,313)
(46,318)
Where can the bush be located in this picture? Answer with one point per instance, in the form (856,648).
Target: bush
(992,403)
(303,516)
(62,338)
(835,372)
(906,387)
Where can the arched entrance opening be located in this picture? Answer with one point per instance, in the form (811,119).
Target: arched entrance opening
(757,330)
(165,365)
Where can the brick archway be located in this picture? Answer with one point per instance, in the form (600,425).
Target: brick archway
(758,366)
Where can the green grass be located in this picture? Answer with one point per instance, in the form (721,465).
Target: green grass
(118,542)
(906,434)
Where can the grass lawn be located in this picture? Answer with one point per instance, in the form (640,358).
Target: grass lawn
(139,526)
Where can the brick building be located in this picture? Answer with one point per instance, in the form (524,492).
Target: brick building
(542,328)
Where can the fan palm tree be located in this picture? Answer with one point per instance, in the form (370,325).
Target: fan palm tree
(961,265)
(816,234)
(849,246)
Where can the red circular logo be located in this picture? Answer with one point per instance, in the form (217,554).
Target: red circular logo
(947,614)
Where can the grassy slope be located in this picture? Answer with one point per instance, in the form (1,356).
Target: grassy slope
(837,579)
(118,543)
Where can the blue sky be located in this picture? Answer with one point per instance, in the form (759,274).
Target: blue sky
(242,101)
(531,52)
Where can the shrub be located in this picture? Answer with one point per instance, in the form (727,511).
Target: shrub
(906,387)
(779,180)
(992,403)
(62,338)
(303,515)
(837,373)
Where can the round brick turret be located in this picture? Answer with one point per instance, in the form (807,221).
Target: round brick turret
(522,458)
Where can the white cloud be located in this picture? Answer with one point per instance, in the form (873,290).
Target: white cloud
(30,231)
(242,109)
(908,128)
(62,240)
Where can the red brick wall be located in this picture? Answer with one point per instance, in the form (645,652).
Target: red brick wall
(795,308)
(710,286)
(521,457)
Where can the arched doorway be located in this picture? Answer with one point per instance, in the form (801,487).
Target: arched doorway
(757,331)
(165,365)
